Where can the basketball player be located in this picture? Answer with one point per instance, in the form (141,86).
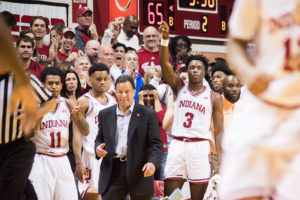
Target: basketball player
(87,166)
(51,174)
(195,105)
(261,146)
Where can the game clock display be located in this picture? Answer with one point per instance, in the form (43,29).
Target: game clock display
(198,19)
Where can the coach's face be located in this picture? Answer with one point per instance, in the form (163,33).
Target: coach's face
(125,95)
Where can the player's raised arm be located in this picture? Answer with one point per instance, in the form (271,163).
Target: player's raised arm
(167,70)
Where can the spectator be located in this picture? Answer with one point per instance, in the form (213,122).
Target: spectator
(56,34)
(149,75)
(67,51)
(112,32)
(55,37)
(131,65)
(149,54)
(148,96)
(65,66)
(92,49)
(127,35)
(25,51)
(108,58)
(183,74)
(31,34)
(71,85)
(39,26)
(83,33)
(120,50)
(81,66)
(180,46)
(45,63)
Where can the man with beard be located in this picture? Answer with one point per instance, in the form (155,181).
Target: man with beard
(127,35)
(149,54)
(232,88)
(232,92)
(92,51)
(195,106)
(25,51)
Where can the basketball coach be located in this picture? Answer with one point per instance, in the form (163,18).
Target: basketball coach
(129,143)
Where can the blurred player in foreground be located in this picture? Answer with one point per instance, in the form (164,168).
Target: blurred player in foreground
(261,146)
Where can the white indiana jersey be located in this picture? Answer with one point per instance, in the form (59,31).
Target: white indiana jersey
(193,113)
(92,118)
(53,134)
(274,26)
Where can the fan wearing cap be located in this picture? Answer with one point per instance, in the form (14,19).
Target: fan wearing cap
(67,51)
(83,34)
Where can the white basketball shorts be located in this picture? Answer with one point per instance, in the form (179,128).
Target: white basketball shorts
(188,160)
(52,178)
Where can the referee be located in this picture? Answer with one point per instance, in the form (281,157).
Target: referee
(16,155)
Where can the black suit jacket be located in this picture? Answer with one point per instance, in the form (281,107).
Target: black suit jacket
(143,145)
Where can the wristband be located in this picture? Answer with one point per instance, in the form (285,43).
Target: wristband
(164,42)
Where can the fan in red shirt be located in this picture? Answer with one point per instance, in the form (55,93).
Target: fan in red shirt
(67,50)
(39,26)
(149,54)
(25,51)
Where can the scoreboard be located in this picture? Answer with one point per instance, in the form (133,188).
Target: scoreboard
(198,19)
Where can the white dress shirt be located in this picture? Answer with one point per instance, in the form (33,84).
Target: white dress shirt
(123,120)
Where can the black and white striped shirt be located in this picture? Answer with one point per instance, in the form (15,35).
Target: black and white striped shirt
(10,129)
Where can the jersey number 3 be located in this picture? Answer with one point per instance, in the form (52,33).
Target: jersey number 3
(52,135)
(189,120)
